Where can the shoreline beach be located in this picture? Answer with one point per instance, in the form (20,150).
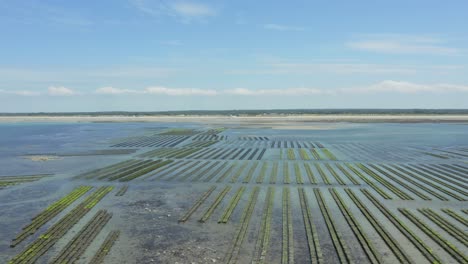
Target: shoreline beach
(270,119)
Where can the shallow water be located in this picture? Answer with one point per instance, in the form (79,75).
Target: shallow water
(147,215)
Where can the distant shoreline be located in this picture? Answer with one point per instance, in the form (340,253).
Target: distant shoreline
(267,119)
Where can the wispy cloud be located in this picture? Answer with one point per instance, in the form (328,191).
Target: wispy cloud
(179,91)
(60,91)
(386,86)
(65,75)
(210,92)
(189,9)
(289,68)
(280,66)
(282,27)
(289,91)
(402,44)
(171,42)
(130,72)
(112,90)
(161,90)
(185,11)
(40,12)
(340,68)
(20,92)
(390,86)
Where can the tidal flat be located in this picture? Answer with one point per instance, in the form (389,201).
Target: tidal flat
(233,191)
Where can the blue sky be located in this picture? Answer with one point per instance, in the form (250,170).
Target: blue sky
(148,55)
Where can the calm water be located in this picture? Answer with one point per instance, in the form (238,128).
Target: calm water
(48,138)
(148,214)
(17,139)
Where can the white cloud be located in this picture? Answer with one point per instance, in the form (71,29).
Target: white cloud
(20,92)
(179,91)
(282,27)
(158,90)
(26,93)
(390,86)
(289,91)
(387,86)
(112,90)
(60,91)
(210,92)
(402,44)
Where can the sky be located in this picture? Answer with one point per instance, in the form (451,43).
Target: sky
(149,55)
